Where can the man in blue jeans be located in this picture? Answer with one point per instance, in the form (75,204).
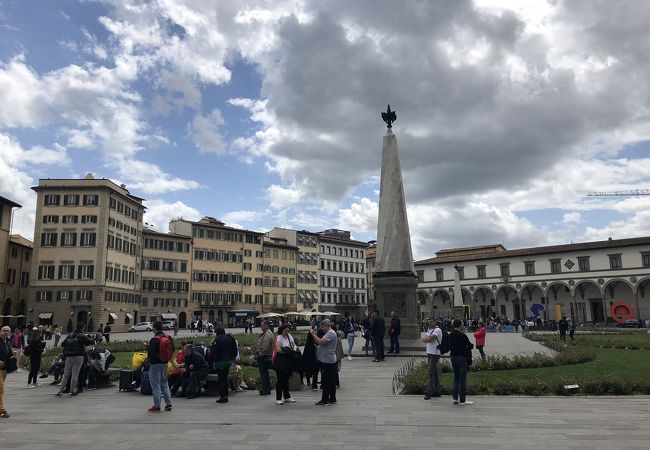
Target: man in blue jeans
(263,352)
(158,369)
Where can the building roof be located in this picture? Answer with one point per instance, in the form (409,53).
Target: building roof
(531,251)
(6,201)
(279,244)
(161,234)
(18,239)
(215,223)
(87,180)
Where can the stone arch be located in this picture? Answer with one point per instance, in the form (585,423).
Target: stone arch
(484,301)
(620,290)
(440,302)
(182,320)
(504,297)
(555,283)
(532,294)
(587,301)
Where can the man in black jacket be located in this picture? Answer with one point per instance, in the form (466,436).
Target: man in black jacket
(222,353)
(378,330)
(74,349)
(5,355)
(196,368)
(394,332)
(460,348)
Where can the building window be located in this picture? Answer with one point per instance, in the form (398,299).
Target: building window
(420,276)
(88,239)
(461,272)
(529,267)
(440,276)
(48,239)
(645,259)
(91,200)
(68,239)
(615,262)
(85,271)
(70,219)
(52,200)
(480,271)
(71,200)
(50,219)
(556,267)
(505,269)
(583,264)
(66,272)
(88,219)
(46,272)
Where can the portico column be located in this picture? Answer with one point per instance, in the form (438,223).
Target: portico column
(638,310)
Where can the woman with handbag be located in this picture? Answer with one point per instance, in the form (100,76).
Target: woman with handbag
(283,364)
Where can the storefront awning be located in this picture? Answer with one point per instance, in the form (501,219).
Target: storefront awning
(129,315)
(45,315)
(113,316)
(169,316)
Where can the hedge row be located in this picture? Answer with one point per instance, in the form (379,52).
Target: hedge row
(596,340)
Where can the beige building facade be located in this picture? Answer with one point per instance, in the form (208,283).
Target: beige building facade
(279,275)
(16,288)
(166,274)
(307,265)
(86,256)
(6,216)
(227,270)
(343,279)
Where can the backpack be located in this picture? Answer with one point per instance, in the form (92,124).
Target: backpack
(165,348)
(445,345)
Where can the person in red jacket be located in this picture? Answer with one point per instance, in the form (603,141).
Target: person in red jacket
(479,336)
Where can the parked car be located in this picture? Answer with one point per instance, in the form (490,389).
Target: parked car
(630,323)
(142,326)
(168,324)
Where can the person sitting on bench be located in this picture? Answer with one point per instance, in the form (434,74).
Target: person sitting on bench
(197,368)
(98,362)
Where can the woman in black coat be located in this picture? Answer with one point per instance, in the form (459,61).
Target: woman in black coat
(35,350)
(310,363)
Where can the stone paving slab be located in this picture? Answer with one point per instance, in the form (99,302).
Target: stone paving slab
(367,416)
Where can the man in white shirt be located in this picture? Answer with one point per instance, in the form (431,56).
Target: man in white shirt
(433,338)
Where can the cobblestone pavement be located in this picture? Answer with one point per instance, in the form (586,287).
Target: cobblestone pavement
(367,416)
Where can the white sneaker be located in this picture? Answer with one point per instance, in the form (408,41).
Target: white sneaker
(289,400)
(279,402)
(239,389)
(31,386)
(466,403)
(35,384)
(20,370)
(349,357)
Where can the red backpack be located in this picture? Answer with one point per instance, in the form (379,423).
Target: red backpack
(165,348)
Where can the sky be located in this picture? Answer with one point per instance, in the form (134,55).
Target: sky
(267,113)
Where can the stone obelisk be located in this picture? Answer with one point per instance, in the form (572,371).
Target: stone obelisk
(395,279)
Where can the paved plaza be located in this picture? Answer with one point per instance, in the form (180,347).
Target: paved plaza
(367,416)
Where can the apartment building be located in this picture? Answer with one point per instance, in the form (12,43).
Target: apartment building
(343,282)
(227,270)
(279,275)
(16,288)
(86,255)
(6,215)
(307,257)
(166,274)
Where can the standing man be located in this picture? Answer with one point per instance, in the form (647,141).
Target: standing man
(433,338)
(107,333)
(222,354)
(5,355)
(160,352)
(395,330)
(326,356)
(378,330)
(263,352)
(74,349)
(563,325)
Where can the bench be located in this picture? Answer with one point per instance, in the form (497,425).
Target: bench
(105,379)
(211,384)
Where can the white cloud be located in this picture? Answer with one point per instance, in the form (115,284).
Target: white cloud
(204,132)
(280,197)
(573,217)
(243,219)
(360,217)
(159,213)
